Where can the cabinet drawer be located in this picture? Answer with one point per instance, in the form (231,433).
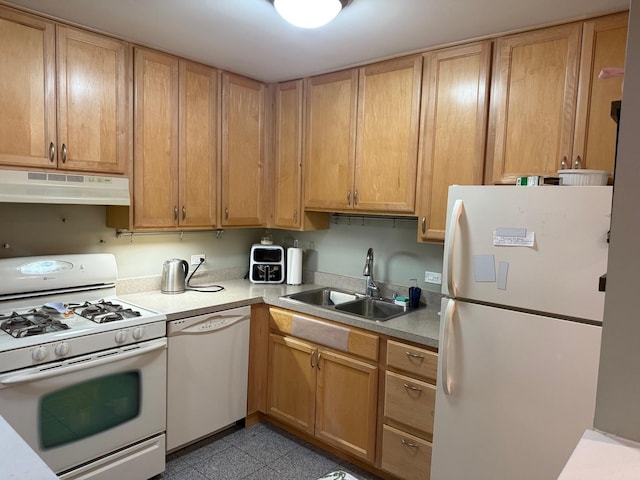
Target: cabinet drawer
(409,401)
(404,455)
(413,360)
(337,337)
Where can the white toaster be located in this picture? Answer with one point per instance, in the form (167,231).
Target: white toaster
(267,264)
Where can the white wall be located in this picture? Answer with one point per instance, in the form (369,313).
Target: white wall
(31,229)
(49,229)
(341,250)
(618,401)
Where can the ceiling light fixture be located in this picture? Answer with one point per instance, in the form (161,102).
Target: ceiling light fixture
(309,13)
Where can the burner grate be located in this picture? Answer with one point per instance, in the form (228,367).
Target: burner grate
(104,311)
(34,322)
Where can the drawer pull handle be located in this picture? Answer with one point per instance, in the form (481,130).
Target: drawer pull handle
(413,355)
(409,444)
(411,387)
(311,360)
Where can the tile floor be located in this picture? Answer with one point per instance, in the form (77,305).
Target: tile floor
(259,452)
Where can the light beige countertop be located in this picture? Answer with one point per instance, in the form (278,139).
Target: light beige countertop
(599,456)
(421,326)
(17,459)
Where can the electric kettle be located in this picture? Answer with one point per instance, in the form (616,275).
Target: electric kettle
(174,275)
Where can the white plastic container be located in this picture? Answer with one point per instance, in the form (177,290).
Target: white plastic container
(583,177)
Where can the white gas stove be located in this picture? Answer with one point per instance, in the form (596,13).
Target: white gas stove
(82,373)
(61,306)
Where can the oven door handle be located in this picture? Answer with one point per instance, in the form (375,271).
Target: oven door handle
(100,359)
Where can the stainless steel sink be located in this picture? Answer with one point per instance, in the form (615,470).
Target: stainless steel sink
(373,309)
(350,303)
(323,297)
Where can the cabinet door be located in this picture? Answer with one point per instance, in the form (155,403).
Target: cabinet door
(604,42)
(288,155)
(291,384)
(156,140)
(330,140)
(27,83)
(346,405)
(242,151)
(455,105)
(93,101)
(387,135)
(533,102)
(198,173)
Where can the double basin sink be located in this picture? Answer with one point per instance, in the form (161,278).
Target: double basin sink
(376,309)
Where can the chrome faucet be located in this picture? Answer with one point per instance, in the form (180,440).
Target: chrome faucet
(371,287)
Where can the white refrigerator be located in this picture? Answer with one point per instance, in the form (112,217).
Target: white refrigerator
(520,329)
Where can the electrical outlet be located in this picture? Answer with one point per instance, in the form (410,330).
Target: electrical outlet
(433,277)
(195,259)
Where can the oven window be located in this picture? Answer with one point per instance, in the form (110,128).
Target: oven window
(88,408)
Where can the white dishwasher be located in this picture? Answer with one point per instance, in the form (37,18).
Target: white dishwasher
(207,374)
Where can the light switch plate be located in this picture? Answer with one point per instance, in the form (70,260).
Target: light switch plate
(433,277)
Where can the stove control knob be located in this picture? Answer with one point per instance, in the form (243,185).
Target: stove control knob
(138,332)
(121,336)
(39,353)
(61,349)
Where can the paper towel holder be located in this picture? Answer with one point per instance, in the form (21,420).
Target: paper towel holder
(294,264)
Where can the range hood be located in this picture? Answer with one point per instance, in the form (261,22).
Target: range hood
(65,188)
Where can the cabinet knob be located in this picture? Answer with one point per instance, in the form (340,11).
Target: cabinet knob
(184,213)
(563,163)
(578,162)
(64,153)
(52,152)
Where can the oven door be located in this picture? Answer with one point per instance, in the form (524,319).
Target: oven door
(76,410)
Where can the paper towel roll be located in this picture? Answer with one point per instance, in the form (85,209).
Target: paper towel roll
(294,266)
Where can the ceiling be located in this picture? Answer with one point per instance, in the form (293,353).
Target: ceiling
(248,36)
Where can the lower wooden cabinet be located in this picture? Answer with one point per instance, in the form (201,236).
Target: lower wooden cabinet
(409,406)
(324,392)
(405,455)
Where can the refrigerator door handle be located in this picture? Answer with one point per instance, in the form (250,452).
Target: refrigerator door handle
(452,232)
(446,334)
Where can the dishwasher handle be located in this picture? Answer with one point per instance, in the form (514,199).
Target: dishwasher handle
(205,323)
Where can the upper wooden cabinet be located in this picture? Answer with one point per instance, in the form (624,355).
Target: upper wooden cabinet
(175,159)
(604,42)
(198,146)
(454,126)
(549,111)
(387,136)
(156,141)
(330,140)
(242,174)
(362,138)
(533,102)
(288,210)
(89,96)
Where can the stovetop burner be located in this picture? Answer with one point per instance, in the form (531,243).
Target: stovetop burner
(33,322)
(104,311)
